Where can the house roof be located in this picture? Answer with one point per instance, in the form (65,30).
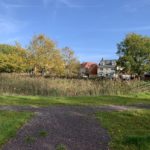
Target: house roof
(106,66)
(108,62)
(88,65)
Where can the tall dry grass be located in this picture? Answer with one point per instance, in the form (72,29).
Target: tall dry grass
(24,85)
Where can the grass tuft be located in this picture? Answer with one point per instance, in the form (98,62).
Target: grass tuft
(61,147)
(43,133)
(30,139)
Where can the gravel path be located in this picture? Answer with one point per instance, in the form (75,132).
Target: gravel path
(74,127)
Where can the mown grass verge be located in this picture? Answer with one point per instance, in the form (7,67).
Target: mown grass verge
(129,130)
(10,122)
(85,101)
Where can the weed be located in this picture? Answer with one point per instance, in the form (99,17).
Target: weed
(43,133)
(30,139)
(61,147)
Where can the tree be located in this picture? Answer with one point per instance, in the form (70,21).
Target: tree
(71,63)
(45,56)
(12,58)
(41,56)
(134,54)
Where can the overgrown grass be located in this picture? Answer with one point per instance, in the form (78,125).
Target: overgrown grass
(84,101)
(24,85)
(129,130)
(10,122)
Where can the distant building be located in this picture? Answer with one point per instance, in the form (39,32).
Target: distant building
(88,69)
(107,68)
(147,76)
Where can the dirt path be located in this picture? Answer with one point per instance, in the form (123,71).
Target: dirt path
(74,127)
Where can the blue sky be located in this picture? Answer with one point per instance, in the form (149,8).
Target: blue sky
(92,28)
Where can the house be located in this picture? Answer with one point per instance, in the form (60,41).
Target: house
(107,68)
(88,69)
(147,76)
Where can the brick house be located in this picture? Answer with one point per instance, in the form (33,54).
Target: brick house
(88,69)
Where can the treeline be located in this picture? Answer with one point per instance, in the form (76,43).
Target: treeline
(41,56)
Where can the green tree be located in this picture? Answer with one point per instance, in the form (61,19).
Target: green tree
(134,54)
(45,56)
(71,62)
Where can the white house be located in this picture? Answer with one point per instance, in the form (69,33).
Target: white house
(107,68)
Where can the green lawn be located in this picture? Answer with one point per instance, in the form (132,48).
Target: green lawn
(10,122)
(129,130)
(99,100)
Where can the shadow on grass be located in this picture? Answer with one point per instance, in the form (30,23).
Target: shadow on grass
(139,141)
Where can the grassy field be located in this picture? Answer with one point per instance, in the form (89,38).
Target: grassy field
(85,101)
(10,122)
(129,130)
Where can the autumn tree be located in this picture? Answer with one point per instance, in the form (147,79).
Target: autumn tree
(134,54)
(45,56)
(12,58)
(41,56)
(71,62)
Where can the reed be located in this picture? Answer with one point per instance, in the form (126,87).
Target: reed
(25,85)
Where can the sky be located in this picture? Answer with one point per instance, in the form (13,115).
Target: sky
(92,28)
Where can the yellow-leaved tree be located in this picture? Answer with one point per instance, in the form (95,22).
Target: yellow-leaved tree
(13,58)
(72,64)
(45,57)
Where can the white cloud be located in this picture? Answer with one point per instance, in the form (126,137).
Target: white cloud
(8,22)
(16,4)
(124,29)
(9,25)
(46,2)
(69,3)
(57,4)
(129,8)
(132,6)
(6,26)
(132,29)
